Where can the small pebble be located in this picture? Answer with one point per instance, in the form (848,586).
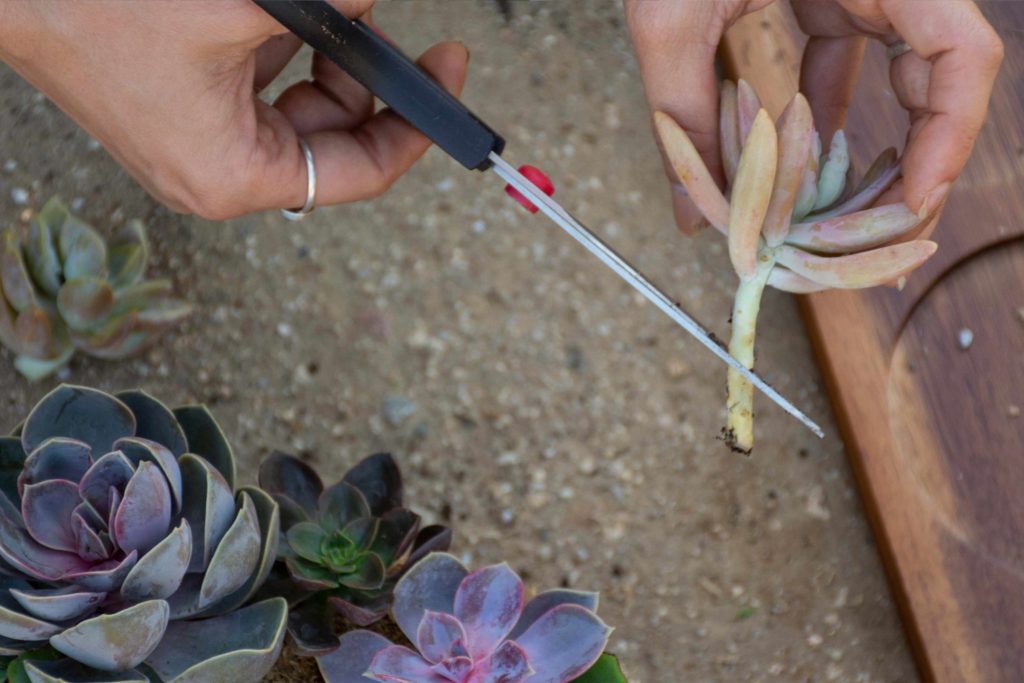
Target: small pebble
(1013,411)
(77,203)
(965,338)
(19,195)
(396,409)
(284,329)
(814,640)
(10,166)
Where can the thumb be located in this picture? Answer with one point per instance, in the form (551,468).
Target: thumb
(675,51)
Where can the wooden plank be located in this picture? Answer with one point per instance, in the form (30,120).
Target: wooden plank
(932,430)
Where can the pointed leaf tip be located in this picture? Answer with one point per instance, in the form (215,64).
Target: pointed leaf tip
(751,194)
(692,172)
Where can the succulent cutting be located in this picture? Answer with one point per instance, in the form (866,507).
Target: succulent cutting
(344,547)
(125,547)
(64,288)
(793,218)
(475,627)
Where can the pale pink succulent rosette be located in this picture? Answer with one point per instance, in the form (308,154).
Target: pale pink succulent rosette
(793,217)
(474,627)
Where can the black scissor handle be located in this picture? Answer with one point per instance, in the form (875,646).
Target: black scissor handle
(391,76)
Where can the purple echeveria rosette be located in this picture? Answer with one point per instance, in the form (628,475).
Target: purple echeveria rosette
(473,627)
(125,548)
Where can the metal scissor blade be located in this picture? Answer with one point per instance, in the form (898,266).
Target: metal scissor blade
(610,258)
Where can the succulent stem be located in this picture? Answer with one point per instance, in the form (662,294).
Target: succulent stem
(739,430)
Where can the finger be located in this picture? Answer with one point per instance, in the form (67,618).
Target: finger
(350,165)
(965,54)
(676,56)
(332,100)
(828,75)
(272,56)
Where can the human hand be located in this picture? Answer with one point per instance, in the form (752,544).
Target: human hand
(944,83)
(171,93)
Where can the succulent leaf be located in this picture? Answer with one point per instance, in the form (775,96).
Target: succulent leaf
(795,129)
(24,554)
(786,280)
(854,231)
(240,646)
(355,653)
(17,625)
(70,671)
(305,539)
(56,458)
(155,422)
(431,584)
(751,194)
(879,178)
(282,474)
(508,662)
(207,505)
(693,174)
(341,504)
(440,636)
(116,642)
(311,575)
(369,574)
(41,257)
(368,611)
(34,332)
(379,480)
(46,508)
(82,250)
(205,438)
(857,271)
(17,285)
(80,413)
(832,178)
(748,105)
(311,626)
(399,663)
(128,253)
(138,450)
(159,573)
(488,602)
(112,471)
(105,576)
(544,602)
(34,369)
(269,520)
(57,604)
(144,516)
(563,643)
(236,557)
(85,302)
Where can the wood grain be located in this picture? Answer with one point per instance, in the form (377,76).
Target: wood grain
(933,430)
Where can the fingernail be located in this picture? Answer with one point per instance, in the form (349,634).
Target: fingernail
(933,200)
(687,215)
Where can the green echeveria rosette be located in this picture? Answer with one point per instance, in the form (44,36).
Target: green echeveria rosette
(125,551)
(64,288)
(344,547)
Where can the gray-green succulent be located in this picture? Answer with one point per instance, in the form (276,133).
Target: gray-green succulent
(64,288)
(125,547)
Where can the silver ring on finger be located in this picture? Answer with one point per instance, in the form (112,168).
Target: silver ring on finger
(898,49)
(307,208)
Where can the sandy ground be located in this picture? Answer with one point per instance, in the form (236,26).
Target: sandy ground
(554,419)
